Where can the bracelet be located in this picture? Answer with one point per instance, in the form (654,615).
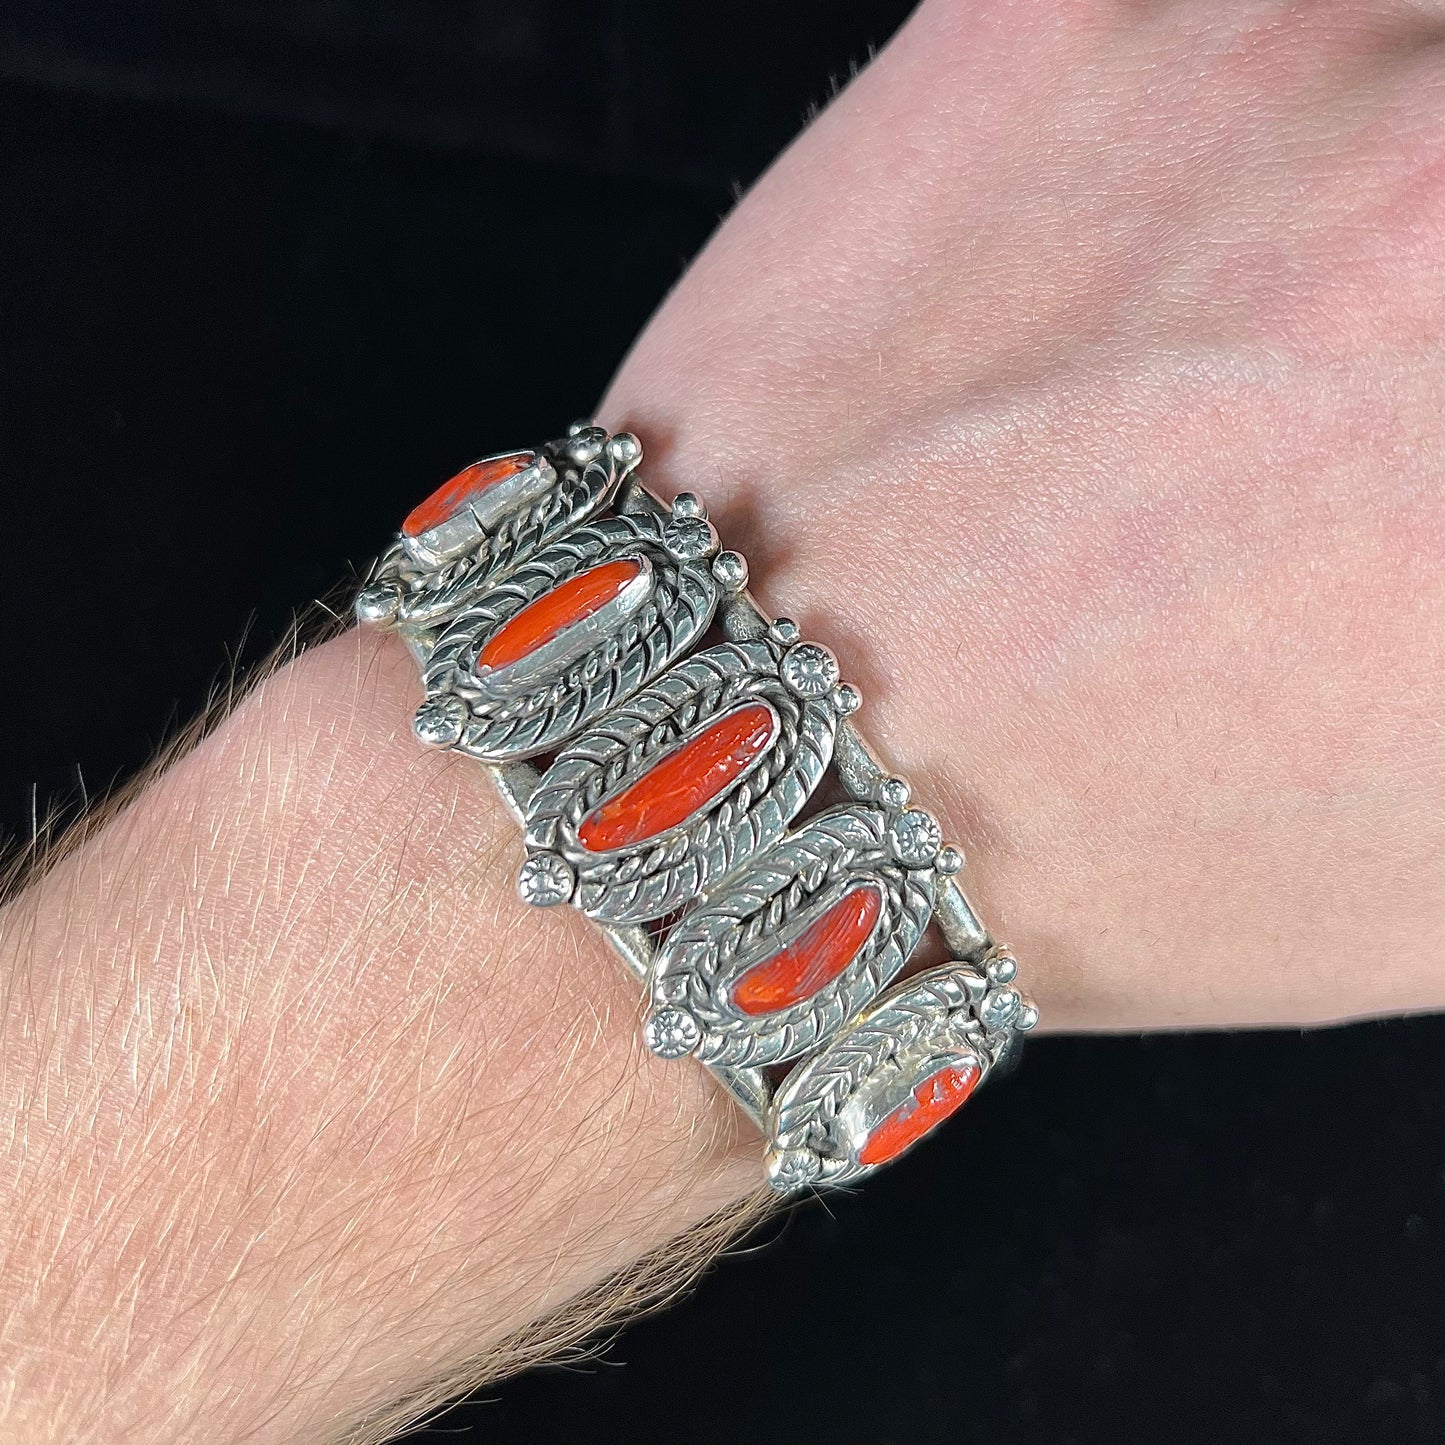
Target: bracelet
(659,739)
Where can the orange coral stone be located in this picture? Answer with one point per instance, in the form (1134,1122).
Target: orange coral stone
(815,957)
(448,498)
(930,1104)
(568,602)
(683,781)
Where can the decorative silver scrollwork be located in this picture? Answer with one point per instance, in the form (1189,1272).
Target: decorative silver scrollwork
(599,659)
(420,582)
(793,683)
(777,903)
(543,624)
(946,1028)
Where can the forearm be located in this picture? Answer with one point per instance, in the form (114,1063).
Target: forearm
(305,1106)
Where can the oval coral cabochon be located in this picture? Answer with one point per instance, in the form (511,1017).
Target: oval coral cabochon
(815,957)
(683,781)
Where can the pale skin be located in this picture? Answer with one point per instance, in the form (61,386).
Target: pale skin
(1077,377)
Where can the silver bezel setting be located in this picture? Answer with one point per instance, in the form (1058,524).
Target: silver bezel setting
(657,876)
(767,904)
(414,586)
(623,652)
(469,527)
(825,1111)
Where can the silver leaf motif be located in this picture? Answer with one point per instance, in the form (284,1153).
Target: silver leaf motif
(825,1110)
(615,662)
(610,689)
(658,875)
(764,907)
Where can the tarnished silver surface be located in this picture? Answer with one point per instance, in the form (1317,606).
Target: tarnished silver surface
(660,874)
(881,1047)
(960,1015)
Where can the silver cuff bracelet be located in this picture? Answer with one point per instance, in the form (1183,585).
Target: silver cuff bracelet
(660,740)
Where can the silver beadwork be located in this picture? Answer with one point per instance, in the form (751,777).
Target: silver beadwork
(378,604)
(731,571)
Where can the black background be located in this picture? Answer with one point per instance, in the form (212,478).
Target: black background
(267,272)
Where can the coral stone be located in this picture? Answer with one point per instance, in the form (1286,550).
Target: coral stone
(815,957)
(553,612)
(452,496)
(683,781)
(930,1103)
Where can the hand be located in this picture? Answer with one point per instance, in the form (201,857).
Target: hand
(1078,376)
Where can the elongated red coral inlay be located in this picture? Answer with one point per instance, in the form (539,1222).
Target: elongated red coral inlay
(929,1105)
(815,957)
(683,781)
(450,497)
(555,611)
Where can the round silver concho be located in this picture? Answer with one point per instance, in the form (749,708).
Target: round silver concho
(661,873)
(546,880)
(767,907)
